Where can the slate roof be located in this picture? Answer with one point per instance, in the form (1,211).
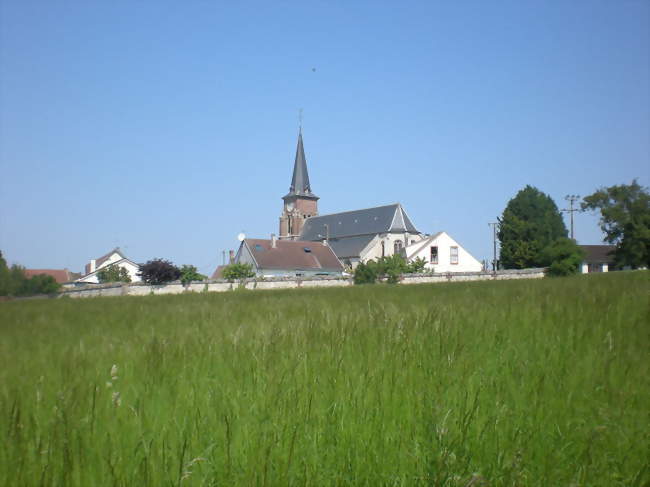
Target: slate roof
(60,275)
(350,246)
(598,254)
(291,255)
(300,181)
(370,221)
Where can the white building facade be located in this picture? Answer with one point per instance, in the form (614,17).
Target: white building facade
(443,254)
(115,257)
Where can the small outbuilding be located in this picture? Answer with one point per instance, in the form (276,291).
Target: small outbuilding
(598,258)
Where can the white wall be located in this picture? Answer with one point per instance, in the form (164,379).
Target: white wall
(373,251)
(466,261)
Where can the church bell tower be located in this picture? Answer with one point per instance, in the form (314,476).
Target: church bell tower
(299,203)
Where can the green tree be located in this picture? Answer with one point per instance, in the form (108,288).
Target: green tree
(625,220)
(113,273)
(238,271)
(563,257)
(190,273)
(530,222)
(5,278)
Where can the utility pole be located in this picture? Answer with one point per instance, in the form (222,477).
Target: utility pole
(494,244)
(571,198)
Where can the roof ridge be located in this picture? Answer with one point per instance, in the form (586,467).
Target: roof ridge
(353,211)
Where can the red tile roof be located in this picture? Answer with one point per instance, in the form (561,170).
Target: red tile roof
(289,254)
(218,272)
(59,275)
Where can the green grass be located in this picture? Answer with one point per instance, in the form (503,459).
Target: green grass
(515,383)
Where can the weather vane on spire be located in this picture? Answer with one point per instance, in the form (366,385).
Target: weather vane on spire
(300,120)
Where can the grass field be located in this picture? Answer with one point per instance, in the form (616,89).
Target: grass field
(500,383)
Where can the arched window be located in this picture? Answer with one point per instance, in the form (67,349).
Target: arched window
(397,246)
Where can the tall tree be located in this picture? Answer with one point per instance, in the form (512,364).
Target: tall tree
(530,222)
(625,220)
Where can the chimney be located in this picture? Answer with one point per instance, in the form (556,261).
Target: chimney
(92,265)
(274,241)
(325,243)
(231,254)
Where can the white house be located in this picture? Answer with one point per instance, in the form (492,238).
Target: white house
(443,254)
(598,258)
(116,257)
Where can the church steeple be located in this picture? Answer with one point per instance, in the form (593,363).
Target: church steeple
(300,203)
(300,181)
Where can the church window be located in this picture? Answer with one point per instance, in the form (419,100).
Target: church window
(434,255)
(453,255)
(397,246)
(383,249)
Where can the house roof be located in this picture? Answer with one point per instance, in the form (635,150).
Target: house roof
(598,254)
(369,221)
(59,275)
(300,181)
(290,254)
(350,246)
(100,260)
(218,272)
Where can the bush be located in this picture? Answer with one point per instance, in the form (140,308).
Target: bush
(416,266)
(238,271)
(365,273)
(113,273)
(389,267)
(159,271)
(563,257)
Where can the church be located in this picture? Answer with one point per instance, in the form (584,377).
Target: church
(354,236)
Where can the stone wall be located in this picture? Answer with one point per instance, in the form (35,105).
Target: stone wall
(141,289)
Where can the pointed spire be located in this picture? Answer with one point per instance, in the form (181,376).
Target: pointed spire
(300,181)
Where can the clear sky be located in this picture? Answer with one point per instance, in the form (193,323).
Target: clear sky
(167,127)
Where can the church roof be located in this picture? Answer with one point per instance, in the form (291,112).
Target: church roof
(370,221)
(300,181)
(350,246)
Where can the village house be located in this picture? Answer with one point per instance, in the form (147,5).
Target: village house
(280,258)
(443,254)
(598,258)
(115,257)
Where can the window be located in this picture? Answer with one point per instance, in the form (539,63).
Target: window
(397,246)
(383,249)
(434,255)
(453,255)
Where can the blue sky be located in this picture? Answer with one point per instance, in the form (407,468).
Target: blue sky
(168,127)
